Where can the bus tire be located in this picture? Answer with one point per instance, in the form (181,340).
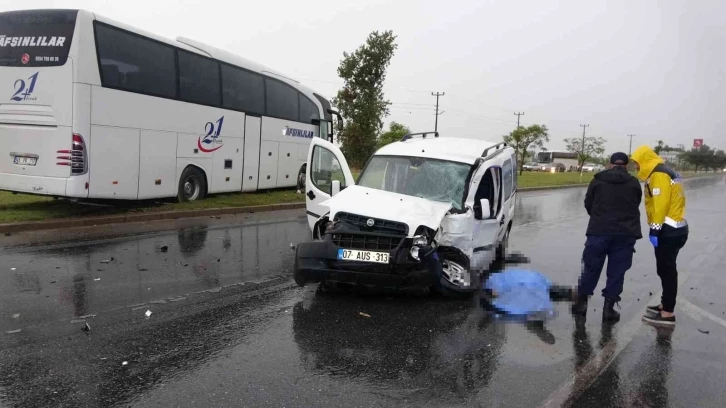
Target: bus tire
(192,185)
(302,178)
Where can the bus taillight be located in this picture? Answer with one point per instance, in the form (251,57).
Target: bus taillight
(76,157)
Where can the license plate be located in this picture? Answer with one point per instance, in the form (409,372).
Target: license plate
(363,256)
(25,161)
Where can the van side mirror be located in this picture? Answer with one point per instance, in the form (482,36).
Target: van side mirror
(336,188)
(485,211)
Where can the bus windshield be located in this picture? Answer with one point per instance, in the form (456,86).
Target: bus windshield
(37,38)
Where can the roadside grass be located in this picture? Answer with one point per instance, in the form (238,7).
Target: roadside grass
(23,207)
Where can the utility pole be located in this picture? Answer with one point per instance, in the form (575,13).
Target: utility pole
(582,148)
(436,123)
(518,115)
(630,150)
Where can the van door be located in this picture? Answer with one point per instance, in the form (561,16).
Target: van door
(325,164)
(488,221)
(36,94)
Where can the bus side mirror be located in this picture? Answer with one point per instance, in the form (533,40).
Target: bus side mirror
(336,188)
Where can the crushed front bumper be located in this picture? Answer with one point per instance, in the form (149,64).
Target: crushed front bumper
(318,261)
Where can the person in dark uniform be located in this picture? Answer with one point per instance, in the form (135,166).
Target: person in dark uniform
(613,203)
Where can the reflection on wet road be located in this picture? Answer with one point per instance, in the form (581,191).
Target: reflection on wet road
(230,328)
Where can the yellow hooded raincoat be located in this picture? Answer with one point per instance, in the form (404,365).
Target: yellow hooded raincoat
(665,202)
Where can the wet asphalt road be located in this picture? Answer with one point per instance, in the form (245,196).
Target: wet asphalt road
(228,327)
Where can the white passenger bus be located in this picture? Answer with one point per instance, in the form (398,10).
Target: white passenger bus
(91,108)
(568,159)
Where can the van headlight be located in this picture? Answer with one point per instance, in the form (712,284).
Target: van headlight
(418,242)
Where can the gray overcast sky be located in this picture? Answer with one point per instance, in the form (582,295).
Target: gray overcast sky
(652,68)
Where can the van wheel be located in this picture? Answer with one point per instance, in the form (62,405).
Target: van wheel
(192,185)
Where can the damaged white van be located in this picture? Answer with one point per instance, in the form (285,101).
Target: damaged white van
(427,211)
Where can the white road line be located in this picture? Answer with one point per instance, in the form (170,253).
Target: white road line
(694,311)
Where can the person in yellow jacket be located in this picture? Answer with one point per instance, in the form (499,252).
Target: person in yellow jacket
(665,206)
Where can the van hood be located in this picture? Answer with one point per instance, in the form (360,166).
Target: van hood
(413,211)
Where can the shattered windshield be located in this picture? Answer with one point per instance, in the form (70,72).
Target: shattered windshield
(432,179)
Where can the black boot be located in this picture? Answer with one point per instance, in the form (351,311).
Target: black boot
(580,307)
(608,312)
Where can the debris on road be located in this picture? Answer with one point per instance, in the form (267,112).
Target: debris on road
(87,316)
(364,314)
(7,234)
(16,315)
(704,331)
(143,269)
(76,321)
(148,313)
(125,363)
(650,293)
(13,331)
(12,269)
(105,261)
(164,248)
(292,246)
(218,260)
(87,328)
(97,279)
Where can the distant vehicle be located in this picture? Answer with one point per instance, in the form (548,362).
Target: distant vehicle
(568,159)
(592,167)
(531,166)
(425,212)
(92,108)
(553,168)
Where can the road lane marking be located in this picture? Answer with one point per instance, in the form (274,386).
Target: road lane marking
(694,311)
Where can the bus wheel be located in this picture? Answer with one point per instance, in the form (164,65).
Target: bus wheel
(192,185)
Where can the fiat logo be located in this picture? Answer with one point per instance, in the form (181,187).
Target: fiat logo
(370,222)
(25,59)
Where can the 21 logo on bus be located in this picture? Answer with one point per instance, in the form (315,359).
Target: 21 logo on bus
(212,136)
(23,93)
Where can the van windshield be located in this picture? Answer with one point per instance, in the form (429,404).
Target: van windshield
(37,38)
(432,179)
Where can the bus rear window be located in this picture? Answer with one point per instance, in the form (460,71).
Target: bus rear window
(37,38)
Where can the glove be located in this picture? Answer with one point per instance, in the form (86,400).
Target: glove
(654,241)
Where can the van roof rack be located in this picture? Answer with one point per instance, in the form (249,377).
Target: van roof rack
(422,134)
(493,149)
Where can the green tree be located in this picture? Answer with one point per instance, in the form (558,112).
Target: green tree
(395,132)
(522,138)
(361,101)
(658,147)
(593,147)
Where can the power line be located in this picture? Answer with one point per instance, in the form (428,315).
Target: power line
(436,122)
(518,115)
